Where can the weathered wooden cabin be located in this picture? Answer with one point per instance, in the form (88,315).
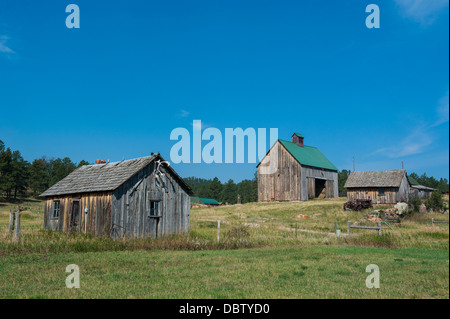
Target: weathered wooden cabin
(293,171)
(382,187)
(141,197)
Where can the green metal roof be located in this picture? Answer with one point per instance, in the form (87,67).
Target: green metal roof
(413,181)
(209,201)
(308,155)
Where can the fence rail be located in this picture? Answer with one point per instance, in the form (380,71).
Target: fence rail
(433,221)
(350,226)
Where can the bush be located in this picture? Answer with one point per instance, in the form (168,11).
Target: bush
(415,203)
(435,202)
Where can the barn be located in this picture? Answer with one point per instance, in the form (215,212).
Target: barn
(140,198)
(382,187)
(293,171)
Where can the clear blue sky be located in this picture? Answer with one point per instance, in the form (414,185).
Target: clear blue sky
(136,70)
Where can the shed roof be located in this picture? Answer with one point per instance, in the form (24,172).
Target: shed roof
(425,188)
(104,177)
(375,179)
(308,155)
(413,181)
(209,201)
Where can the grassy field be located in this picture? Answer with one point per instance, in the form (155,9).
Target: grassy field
(264,252)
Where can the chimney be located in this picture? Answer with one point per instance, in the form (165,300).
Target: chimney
(100,161)
(298,138)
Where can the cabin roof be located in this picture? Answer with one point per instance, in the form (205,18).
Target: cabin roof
(375,179)
(104,177)
(308,155)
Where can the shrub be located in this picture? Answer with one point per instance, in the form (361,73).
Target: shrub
(415,203)
(435,202)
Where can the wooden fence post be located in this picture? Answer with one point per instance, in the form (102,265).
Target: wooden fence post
(335,228)
(348,225)
(379,230)
(17,228)
(218,230)
(11,221)
(432,222)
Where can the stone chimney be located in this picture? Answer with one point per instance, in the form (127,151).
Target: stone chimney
(100,161)
(298,138)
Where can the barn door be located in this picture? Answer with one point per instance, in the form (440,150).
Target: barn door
(311,188)
(329,188)
(75,214)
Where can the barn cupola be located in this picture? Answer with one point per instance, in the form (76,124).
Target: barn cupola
(298,138)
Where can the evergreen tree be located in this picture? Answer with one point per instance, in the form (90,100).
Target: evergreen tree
(229,192)
(215,189)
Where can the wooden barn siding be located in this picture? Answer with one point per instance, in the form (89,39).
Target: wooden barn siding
(290,182)
(98,216)
(390,195)
(131,204)
(285,183)
(308,183)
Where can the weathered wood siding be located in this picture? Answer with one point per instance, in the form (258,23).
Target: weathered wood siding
(285,183)
(392,195)
(131,206)
(309,175)
(98,216)
(291,181)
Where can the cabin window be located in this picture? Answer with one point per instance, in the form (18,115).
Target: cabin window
(154,208)
(380,191)
(55,211)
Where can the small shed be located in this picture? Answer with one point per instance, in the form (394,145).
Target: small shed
(382,187)
(419,190)
(293,171)
(204,201)
(142,197)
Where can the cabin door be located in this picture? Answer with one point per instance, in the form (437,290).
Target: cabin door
(75,214)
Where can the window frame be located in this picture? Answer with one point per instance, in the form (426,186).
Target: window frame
(381,191)
(154,211)
(56,209)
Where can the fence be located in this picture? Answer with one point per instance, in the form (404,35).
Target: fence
(363,227)
(433,221)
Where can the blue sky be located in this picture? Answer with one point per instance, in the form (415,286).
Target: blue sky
(136,70)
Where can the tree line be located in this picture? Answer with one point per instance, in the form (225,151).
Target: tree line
(19,177)
(246,190)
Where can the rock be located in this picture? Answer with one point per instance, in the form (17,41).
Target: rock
(422,209)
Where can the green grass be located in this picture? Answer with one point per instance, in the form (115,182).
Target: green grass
(264,252)
(283,272)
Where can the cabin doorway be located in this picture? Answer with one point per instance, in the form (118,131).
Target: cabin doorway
(75,215)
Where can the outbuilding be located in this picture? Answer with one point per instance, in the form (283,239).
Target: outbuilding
(382,187)
(141,198)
